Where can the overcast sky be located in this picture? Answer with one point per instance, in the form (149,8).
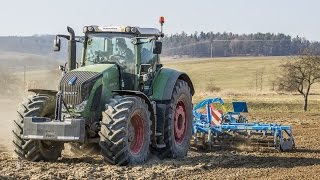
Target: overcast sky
(294,17)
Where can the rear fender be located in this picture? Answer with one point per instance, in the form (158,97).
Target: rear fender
(161,93)
(164,82)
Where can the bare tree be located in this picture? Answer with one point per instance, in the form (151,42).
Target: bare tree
(259,76)
(299,74)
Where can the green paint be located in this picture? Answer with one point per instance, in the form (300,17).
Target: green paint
(109,82)
(159,84)
(100,68)
(87,113)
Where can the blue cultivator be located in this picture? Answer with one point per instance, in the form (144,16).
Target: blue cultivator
(216,126)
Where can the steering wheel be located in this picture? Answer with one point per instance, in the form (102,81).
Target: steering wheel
(119,59)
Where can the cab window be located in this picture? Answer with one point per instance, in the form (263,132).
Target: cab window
(147,56)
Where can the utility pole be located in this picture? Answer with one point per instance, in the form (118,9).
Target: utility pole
(256,80)
(211,49)
(24,78)
(261,77)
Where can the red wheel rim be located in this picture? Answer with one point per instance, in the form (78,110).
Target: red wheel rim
(136,134)
(180,122)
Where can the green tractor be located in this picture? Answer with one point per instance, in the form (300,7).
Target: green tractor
(120,101)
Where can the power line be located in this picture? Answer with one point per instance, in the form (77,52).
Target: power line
(219,40)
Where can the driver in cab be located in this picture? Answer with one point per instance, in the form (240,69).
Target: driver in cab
(123,50)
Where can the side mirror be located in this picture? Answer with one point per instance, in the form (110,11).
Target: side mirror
(56,44)
(157,47)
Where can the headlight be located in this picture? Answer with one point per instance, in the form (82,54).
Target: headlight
(85,29)
(90,28)
(127,29)
(80,107)
(133,30)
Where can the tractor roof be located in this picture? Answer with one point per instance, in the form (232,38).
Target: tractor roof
(123,29)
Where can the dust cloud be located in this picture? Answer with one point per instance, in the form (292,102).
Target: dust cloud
(14,91)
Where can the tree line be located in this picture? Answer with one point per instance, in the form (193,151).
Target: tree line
(228,44)
(193,45)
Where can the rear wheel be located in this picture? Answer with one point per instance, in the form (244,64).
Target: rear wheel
(178,122)
(35,150)
(125,131)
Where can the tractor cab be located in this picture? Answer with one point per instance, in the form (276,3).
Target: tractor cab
(134,50)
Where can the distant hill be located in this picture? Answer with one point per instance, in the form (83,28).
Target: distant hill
(15,61)
(40,45)
(32,52)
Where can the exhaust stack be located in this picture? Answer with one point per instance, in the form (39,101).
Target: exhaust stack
(72,48)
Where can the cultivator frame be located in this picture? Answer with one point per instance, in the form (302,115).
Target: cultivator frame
(214,126)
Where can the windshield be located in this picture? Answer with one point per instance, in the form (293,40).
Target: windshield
(109,47)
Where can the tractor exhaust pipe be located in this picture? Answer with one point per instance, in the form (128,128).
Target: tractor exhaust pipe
(72,48)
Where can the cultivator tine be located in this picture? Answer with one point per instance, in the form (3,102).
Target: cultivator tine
(195,137)
(204,142)
(209,139)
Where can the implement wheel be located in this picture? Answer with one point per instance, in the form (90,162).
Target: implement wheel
(125,131)
(178,122)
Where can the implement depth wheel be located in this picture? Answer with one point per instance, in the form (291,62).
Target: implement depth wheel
(178,122)
(125,131)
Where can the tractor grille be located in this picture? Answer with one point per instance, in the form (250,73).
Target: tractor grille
(76,86)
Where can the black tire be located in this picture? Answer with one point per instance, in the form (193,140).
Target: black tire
(178,122)
(35,150)
(79,149)
(122,140)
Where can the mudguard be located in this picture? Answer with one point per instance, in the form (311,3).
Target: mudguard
(44,91)
(163,84)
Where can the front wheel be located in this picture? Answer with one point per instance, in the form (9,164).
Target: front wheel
(178,122)
(125,131)
(35,150)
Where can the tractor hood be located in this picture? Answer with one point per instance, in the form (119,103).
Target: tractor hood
(98,68)
(81,83)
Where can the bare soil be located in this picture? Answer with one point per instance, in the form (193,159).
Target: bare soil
(303,163)
(240,163)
